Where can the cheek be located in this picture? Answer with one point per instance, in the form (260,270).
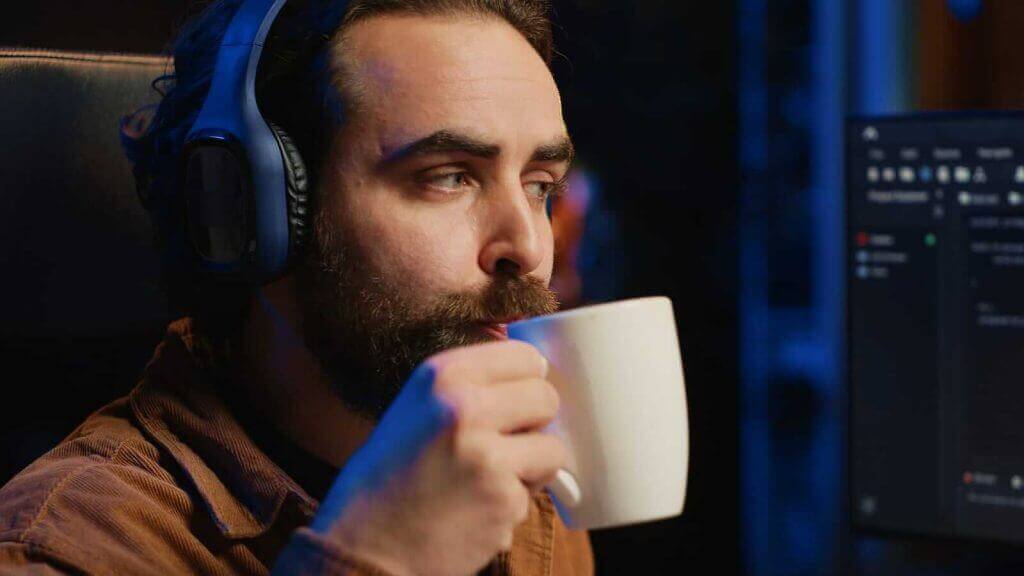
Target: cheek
(410,249)
(546,267)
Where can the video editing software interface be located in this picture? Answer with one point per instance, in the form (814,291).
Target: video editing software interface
(935,226)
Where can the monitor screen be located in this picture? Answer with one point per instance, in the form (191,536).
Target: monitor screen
(935,246)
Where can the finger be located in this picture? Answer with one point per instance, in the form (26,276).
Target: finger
(511,406)
(536,457)
(493,361)
(538,486)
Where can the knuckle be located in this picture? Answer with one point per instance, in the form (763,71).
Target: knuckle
(453,364)
(474,454)
(489,464)
(436,363)
(452,383)
(447,373)
(466,401)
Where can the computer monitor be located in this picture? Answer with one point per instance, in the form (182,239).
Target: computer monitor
(935,245)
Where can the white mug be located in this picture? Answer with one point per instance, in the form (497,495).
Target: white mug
(623,415)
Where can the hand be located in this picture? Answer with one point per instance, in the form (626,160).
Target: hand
(447,474)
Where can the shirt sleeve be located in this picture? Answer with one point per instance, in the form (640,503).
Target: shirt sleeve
(18,559)
(310,553)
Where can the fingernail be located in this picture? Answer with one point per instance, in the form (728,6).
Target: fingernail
(547,365)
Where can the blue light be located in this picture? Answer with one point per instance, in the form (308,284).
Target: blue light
(965,10)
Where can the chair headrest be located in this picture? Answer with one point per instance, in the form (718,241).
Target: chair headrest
(80,270)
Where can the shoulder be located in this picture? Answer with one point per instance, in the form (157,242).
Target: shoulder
(94,495)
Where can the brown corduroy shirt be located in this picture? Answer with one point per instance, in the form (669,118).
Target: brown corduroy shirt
(167,481)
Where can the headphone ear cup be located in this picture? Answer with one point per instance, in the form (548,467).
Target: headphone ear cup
(297,181)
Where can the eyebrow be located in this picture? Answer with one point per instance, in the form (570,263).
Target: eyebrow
(561,151)
(447,141)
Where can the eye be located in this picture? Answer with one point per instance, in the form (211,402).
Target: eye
(543,190)
(448,182)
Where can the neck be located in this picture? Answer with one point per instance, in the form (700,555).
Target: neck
(288,384)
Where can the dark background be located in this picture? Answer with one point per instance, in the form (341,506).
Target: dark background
(711,134)
(650,96)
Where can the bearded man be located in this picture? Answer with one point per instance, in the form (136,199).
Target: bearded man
(364,413)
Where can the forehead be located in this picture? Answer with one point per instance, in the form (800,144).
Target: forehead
(413,75)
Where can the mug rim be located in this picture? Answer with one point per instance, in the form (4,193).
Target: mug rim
(627,303)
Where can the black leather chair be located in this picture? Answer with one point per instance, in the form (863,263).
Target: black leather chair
(81,307)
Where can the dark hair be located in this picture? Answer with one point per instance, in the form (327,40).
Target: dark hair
(294,89)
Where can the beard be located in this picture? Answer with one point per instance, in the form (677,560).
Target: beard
(369,334)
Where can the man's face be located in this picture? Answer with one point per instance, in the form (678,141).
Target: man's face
(433,230)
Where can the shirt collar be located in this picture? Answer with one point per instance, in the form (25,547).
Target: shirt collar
(175,403)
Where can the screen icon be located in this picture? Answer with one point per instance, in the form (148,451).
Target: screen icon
(868,506)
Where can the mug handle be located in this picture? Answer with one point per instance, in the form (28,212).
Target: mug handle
(566,489)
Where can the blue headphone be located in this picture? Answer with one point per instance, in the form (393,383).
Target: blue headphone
(245,184)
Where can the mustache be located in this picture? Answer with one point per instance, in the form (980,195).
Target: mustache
(505,298)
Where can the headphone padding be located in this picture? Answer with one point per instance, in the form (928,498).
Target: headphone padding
(297,179)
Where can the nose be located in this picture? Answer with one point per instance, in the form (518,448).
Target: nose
(514,235)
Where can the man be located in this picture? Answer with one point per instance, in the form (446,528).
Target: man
(376,376)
